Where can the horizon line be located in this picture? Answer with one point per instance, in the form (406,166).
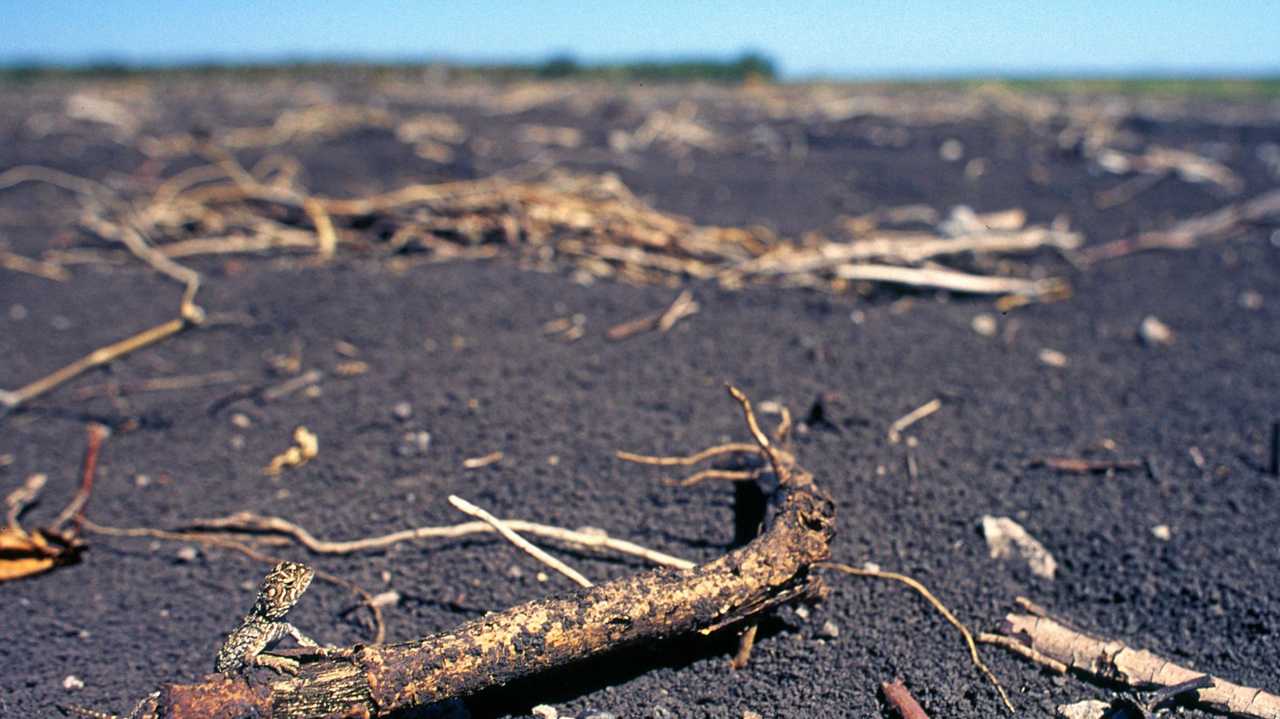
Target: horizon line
(89,61)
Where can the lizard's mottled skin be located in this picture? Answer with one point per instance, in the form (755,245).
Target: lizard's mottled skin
(264,625)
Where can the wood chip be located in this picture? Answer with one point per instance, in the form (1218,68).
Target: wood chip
(1006,538)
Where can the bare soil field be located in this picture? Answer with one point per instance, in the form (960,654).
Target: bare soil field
(1082,292)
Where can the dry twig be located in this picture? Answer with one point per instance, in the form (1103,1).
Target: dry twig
(483,460)
(1190,232)
(938,605)
(246,522)
(525,545)
(26,265)
(74,511)
(1114,661)
(683,306)
(902,423)
(895,692)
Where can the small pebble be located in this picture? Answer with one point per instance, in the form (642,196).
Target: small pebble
(414,443)
(141,480)
(1153,332)
(17,313)
(514,572)
(241,420)
(72,682)
(237,442)
(1162,532)
(857,317)
(748,714)
(541,576)
(984,324)
(542,711)
(1250,300)
(1053,358)
(593,714)
(402,411)
(187,554)
(802,612)
(388,598)
(829,630)
(60,323)
(951,150)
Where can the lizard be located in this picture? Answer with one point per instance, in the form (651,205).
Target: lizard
(264,625)
(243,649)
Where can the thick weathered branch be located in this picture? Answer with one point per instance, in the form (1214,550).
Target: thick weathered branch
(543,634)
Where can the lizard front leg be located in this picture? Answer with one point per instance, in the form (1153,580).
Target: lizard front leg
(284,665)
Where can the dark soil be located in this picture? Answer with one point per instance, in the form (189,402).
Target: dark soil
(462,344)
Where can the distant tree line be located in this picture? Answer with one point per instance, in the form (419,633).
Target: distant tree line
(747,66)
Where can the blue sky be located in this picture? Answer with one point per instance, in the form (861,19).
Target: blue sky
(806,37)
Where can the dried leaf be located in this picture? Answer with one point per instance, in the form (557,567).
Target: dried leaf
(24,554)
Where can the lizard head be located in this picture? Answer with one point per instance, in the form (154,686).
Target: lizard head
(281,589)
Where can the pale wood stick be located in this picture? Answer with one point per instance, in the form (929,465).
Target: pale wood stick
(100,356)
(1116,661)
(510,535)
(902,423)
(952,280)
